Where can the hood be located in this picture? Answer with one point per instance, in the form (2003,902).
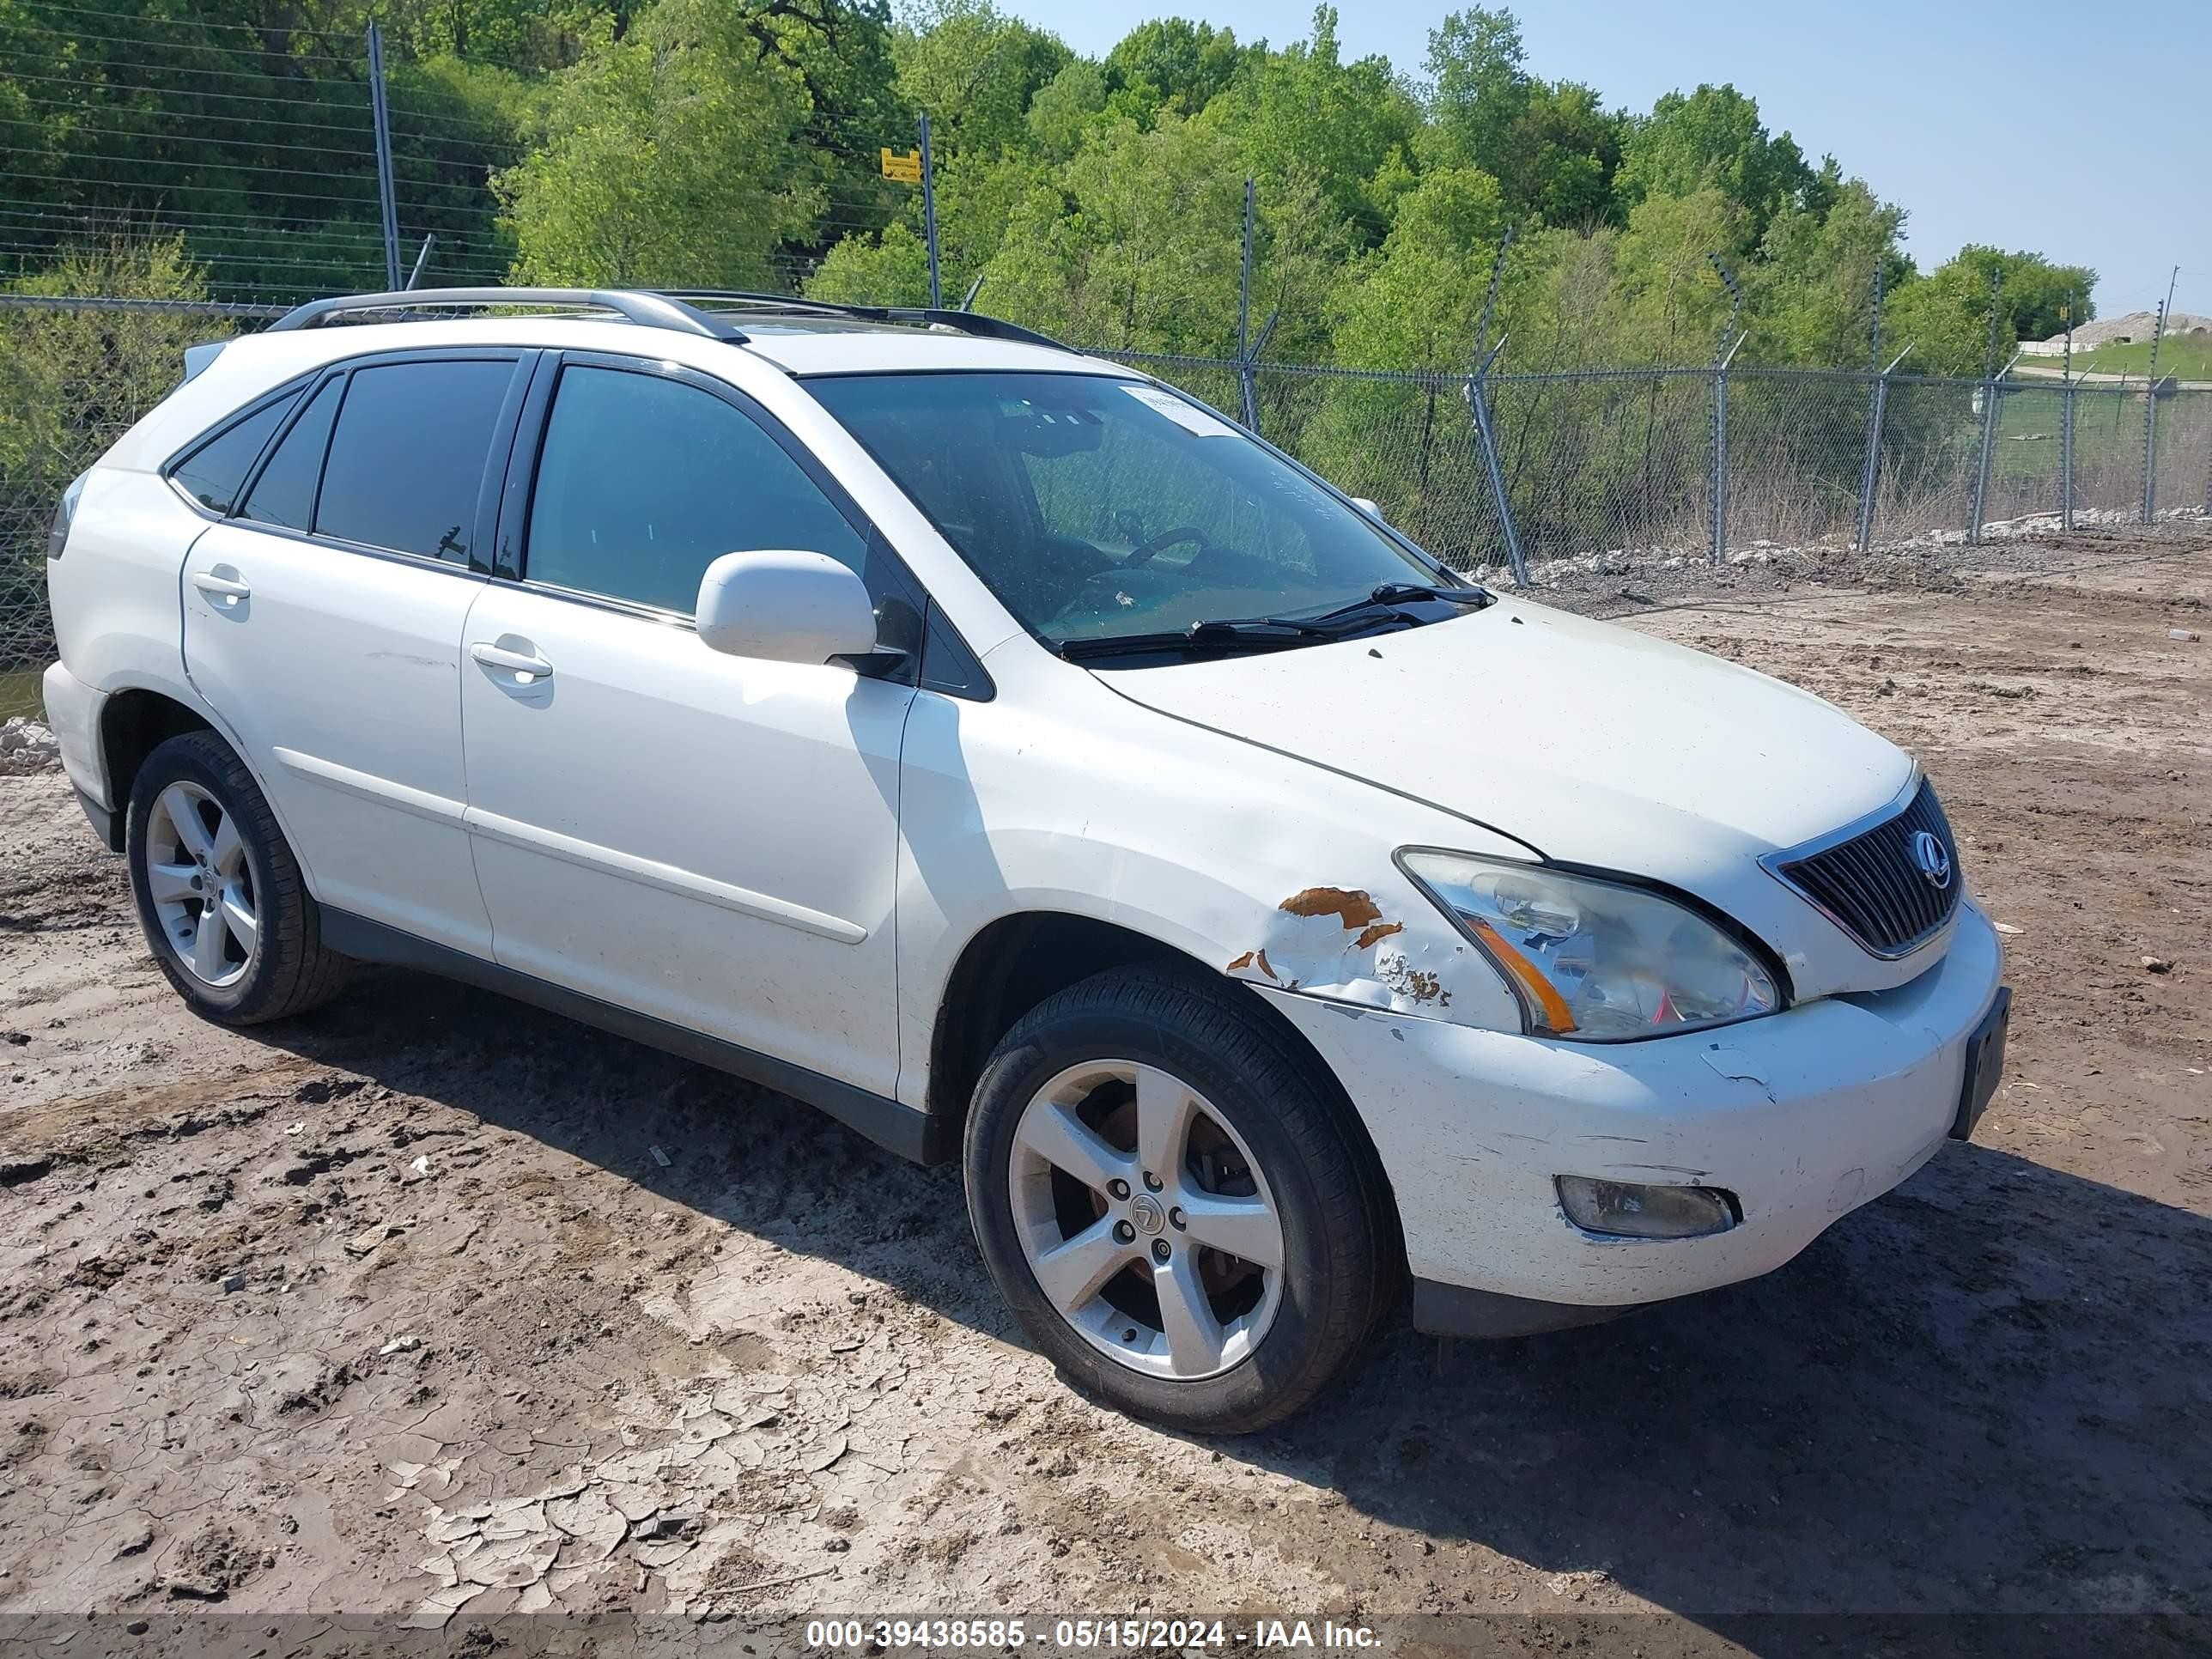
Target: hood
(1590,744)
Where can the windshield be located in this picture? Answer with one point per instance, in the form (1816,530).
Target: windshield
(1099,508)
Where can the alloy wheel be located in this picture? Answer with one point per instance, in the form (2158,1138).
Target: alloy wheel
(1146,1220)
(201,883)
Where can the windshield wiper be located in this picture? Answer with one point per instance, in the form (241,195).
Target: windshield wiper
(1216,635)
(1384,603)
(1230,633)
(1389,594)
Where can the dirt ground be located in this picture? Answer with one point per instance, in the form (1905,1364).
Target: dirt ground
(430,1301)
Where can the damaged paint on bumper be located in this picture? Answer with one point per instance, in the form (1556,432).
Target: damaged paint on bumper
(1803,1115)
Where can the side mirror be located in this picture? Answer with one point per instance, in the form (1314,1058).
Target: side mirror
(785,606)
(1372,509)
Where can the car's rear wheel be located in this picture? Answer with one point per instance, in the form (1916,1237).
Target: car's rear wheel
(1174,1204)
(220,895)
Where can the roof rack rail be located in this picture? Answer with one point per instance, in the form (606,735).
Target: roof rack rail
(967,322)
(974,322)
(651,310)
(764,301)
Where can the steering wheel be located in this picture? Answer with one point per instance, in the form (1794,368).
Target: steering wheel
(1150,549)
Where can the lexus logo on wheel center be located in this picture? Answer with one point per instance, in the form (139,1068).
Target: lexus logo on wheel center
(1932,862)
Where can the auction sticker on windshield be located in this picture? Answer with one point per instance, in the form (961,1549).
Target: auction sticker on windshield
(1189,416)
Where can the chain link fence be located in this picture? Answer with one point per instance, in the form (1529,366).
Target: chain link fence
(1615,466)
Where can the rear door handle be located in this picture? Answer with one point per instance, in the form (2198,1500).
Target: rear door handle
(219,587)
(513,662)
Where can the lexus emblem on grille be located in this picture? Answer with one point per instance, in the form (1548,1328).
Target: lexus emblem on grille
(1930,859)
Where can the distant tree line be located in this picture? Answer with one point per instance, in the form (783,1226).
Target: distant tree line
(735,143)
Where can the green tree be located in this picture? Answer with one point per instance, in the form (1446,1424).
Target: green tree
(1946,314)
(1304,110)
(1668,303)
(976,201)
(71,381)
(1813,287)
(2036,291)
(1065,109)
(1553,148)
(1714,139)
(1135,245)
(673,155)
(975,69)
(1172,65)
(888,268)
(1412,304)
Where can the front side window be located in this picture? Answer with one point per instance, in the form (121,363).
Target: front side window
(407,459)
(1098,508)
(644,480)
(214,473)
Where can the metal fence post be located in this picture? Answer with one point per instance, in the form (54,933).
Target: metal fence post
(1720,452)
(1989,396)
(929,217)
(1247,385)
(1723,355)
(1717,530)
(421,260)
(2066,402)
(1988,392)
(2066,406)
(2150,421)
(1870,475)
(1248,371)
(1875,401)
(380,115)
(2208,459)
(1477,402)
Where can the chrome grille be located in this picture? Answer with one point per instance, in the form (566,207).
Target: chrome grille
(1873,886)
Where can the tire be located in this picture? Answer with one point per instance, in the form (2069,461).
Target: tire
(286,970)
(1103,1055)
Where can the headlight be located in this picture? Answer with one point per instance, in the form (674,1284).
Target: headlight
(1595,961)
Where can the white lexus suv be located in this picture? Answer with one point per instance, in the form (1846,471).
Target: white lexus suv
(1022,764)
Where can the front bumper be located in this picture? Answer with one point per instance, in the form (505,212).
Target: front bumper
(1802,1116)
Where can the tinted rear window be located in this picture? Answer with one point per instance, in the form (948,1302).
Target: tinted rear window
(284,493)
(215,471)
(407,461)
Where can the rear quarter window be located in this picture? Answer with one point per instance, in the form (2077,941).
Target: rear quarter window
(214,473)
(284,493)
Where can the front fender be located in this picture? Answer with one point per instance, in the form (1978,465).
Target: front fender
(1259,866)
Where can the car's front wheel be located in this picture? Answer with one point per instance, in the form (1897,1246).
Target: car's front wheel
(1174,1203)
(222,899)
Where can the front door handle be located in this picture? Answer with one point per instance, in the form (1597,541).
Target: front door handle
(222,588)
(528,669)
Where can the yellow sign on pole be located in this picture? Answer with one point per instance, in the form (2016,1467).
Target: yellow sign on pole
(906,169)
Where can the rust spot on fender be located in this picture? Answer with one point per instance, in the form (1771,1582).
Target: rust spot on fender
(1252,959)
(1376,932)
(1351,907)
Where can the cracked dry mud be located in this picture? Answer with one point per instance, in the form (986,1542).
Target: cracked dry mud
(431,1303)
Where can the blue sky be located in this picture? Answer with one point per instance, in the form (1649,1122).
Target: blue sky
(2082,131)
